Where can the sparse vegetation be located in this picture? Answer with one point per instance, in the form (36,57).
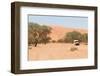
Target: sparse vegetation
(73,48)
(40,34)
(55,48)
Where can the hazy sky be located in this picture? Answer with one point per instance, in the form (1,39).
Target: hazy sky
(66,21)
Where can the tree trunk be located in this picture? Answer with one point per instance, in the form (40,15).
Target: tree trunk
(35,44)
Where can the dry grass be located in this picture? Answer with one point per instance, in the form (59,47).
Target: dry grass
(52,51)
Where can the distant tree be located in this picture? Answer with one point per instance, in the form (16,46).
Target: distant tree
(71,36)
(85,38)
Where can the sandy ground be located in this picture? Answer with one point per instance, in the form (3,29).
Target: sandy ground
(52,51)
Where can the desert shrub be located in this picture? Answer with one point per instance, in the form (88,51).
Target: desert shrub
(60,41)
(53,41)
(71,36)
(85,38)
(73,48)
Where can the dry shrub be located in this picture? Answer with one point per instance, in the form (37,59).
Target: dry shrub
(73,48)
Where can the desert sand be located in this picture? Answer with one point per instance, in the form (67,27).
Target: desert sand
(53,51)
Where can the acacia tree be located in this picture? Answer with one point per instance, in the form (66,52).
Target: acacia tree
(45,31)
(33,33)
(38,34)
(74,35)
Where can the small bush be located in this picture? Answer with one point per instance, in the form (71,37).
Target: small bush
(60,41)
(53,41)
(73,48)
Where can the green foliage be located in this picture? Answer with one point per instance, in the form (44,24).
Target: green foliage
(45,40)
(74,35)
(38,33)
(85,38)
(70,36)
(33,32)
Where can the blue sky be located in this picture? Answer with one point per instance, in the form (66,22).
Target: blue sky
(66,21)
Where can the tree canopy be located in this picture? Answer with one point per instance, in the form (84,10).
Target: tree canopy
(38,33)
(74,35)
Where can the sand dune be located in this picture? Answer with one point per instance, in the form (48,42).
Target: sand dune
(58,32)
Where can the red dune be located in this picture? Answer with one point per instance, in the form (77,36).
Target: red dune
(58,32)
